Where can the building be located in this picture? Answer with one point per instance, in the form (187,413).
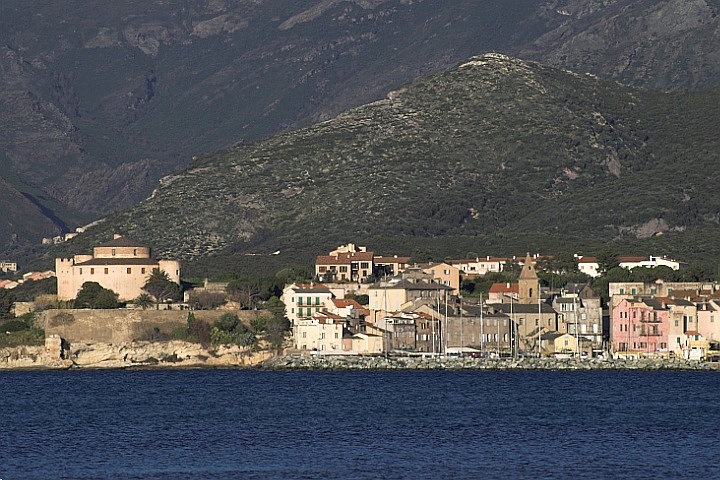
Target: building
(479,266)
(662,288)
(445,274)
(651,262)
(581,315)
(640,327)
(390,266)
(322,332)
(394,294)
(121,265)
(503,292)
(347,263)
(302,301)
(6,266)
(588,265)
(555,343)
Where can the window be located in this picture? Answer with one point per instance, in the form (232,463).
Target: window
(299,300)
(113,252)
(364,265)
(135,252)
(304,334)
(129,270)
(622,291)
(343,268)
(317,300)
(336,335)
(309,300)
(633,291)
(322,269)
(106,270)
(81,271)
(142,270)
(92,271)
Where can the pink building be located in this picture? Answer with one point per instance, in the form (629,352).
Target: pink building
(639,326)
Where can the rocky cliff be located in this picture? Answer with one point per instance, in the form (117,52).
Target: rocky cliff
(172,354)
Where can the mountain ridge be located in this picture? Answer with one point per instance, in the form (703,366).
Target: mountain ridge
(99,103)
(496,151)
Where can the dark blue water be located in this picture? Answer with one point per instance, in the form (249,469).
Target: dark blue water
(227,424)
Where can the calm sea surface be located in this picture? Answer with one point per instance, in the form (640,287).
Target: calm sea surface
(227,424)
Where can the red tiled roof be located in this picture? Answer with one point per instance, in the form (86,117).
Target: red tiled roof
(381,259)
(630,259)
(588,260)
(344,258)
(346,302)
(505,288)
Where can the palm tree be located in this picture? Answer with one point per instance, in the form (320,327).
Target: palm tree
(161,287)
(144,301)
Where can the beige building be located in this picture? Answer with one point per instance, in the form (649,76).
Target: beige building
(346,263)
(445,274)
(121,265)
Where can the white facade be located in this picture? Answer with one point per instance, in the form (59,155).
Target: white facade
(319,333)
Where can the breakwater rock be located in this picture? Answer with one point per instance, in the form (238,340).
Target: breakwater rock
(328,362)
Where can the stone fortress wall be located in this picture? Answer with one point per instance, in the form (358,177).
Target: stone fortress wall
(123,326)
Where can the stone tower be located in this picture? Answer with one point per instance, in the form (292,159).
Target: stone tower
(528,283)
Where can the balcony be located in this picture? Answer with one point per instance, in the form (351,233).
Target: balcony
(651,333)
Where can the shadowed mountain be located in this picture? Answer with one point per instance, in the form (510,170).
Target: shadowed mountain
(99,100)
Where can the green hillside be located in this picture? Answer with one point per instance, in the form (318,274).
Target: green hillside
(497,155)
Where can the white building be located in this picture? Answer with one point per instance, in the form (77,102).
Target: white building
(302,301)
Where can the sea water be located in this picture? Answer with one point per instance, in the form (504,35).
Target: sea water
(227,424)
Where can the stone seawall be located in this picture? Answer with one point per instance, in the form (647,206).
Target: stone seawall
(123,326)
(320,362)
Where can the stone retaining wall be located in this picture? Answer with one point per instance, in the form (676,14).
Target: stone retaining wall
(123,326)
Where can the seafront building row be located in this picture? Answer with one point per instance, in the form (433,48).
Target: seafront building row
(417,308)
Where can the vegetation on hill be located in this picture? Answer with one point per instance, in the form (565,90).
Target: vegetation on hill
(494,156)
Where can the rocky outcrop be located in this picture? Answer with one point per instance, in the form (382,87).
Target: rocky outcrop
(172,354)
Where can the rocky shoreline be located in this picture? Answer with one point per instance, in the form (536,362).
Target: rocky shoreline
(326,362)
(172,354)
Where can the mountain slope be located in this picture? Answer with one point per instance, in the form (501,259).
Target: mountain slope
(494,152)
(99,100)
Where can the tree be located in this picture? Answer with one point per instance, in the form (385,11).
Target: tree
(6,304)
(204,300)
(144,301)
(93,295)
(607,260)
(244,291)
(161,287)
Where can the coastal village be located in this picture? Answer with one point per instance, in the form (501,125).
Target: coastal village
(359,303)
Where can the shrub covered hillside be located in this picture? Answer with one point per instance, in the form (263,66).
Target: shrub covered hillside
(494,153)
